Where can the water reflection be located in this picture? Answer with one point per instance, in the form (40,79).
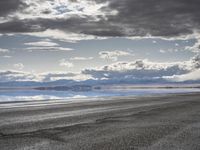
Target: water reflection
(30,95)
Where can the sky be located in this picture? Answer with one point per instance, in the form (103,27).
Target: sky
(129,40)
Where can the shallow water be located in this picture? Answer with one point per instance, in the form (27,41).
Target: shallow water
(33,95)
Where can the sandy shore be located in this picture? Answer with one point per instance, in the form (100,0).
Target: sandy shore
(147,123)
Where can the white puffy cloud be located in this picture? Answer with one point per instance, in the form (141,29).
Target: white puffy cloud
(30,49)
(162,51)
(139,71)
(12,75)
(196,61)
(170,50)
(194,48)
(45,45)
(81,58)
(135,70)
(62,9)
(53,76)
(2,50)
(65,63)
(191,76)
(143,70)
(41,44)
(19,66)
(63,35)
(154,42)
(113,55)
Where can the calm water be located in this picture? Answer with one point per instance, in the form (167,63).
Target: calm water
(34,95)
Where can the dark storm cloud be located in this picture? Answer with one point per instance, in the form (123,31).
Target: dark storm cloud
(20,26)
(157,17)
(8,6)
(134,18)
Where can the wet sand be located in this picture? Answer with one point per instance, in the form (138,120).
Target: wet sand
(170,122)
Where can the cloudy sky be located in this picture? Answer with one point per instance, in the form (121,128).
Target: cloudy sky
(99,39)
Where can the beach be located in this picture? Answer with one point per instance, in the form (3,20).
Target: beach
(159,122)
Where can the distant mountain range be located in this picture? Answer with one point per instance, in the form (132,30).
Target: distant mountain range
(72,84)
(75,88)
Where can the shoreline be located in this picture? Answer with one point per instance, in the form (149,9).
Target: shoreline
(70,100)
